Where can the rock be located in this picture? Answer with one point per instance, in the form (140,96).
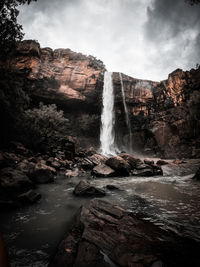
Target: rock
(14,181)
(161,162)
(72,173)
(143,172)
(118,164)
(29,197)
(83,188)
(103,233)
(86,164)
(132,161)
(54,162)
(103,170)
(197,175)
(11,159)
(157,170)
(148,162)
(42,174)
(98,159)
(19,148)
(111,187)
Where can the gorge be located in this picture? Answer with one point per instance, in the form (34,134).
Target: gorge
(134,142)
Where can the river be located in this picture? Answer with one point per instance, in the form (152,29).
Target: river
(32,233)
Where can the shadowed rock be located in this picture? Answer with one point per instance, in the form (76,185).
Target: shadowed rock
(83,188)
(103,233)
(103,170)
(120,165)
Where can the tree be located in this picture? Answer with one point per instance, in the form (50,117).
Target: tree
(10,30)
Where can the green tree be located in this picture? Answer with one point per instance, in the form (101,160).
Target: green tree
(10,29)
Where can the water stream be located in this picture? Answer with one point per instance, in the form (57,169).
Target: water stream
(32,233)
(107,136)
(129,148)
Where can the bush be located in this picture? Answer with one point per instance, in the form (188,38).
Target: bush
(42,127)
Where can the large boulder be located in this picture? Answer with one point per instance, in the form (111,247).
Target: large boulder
(14,181)
(121,166)
(42,173)
(83,188)
(107,235)
(98,159)
(103,170)
(29,197)
(132,161)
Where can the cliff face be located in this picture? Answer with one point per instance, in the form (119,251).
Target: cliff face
(69,79)
(164,116)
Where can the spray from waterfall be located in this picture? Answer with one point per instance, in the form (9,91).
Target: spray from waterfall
(126,113)
(107,136)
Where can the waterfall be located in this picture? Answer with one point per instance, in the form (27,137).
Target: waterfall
(107,137)
(126,113)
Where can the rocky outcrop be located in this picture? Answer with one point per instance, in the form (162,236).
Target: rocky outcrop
(164,115)
(107,235)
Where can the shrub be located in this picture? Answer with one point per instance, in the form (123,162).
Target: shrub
(42,127)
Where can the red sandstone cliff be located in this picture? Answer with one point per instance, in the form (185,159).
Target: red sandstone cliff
(164,115)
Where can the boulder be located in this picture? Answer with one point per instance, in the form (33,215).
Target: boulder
(98,159)
(161,162)
(121,166)
(54,162)
(197,175)
(86,164)
(148,161)
(14,181)
(111,187)
(83,188)
(143,172)
(132,161)
(72,173)
(42,174)
(107,235)
(29,197)
(103,170)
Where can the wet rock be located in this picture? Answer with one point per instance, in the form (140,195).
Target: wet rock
(111,187)
(123,239)
(118,164)
(197,175)
(14,181)
(148,162)
(98,159)
(54,162)
(103,170)
(161,162)
(132,161)
(72,173)
(86,164)
(29,197)
(143,172)
(42,174)
(83,188)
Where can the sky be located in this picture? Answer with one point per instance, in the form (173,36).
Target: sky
(146,39)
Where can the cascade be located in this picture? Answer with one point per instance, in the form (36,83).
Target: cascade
(126,113)
(107,136)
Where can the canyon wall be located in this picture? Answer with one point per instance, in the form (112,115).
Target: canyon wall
(164,115)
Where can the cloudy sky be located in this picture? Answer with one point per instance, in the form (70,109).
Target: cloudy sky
(145,39)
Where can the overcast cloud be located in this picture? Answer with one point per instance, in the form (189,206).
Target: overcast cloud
(142,38)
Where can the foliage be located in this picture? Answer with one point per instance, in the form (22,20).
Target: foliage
(88,124)
(43,126)
(13,101)
(10,30)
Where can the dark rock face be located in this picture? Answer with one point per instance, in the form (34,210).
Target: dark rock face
(83,188)
(105,234)
(29,197)
(164,116)
(120,165)
(42,174)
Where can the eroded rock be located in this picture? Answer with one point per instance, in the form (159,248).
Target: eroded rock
(104,233)
(84,188)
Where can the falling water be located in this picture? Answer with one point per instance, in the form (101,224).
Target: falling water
(107,137)
(126,113)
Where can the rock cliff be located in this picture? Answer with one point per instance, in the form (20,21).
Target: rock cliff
(164,115)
